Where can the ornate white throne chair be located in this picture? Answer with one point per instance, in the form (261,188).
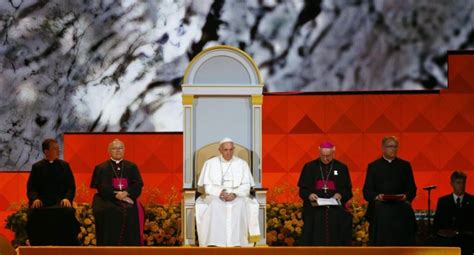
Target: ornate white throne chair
(222,97)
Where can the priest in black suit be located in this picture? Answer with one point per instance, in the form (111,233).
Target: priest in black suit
(50,191)
(454,219)
(390,188)
(119,216)
(325,178)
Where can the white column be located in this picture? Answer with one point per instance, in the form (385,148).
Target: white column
(189,194)
(188,159)
(257,139)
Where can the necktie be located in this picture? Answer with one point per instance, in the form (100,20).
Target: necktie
(458,202)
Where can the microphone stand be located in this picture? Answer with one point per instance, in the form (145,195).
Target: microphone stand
(429,210)
(429,188)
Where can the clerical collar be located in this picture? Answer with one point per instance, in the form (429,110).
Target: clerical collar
(388,160)
(116,161)
(456,197)
(225,161)
(50,161)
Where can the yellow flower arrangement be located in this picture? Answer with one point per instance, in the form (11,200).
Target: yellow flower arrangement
(360,225)
(163,223)
(285,223)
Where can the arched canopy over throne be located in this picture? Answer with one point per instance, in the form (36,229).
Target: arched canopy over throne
(222,97)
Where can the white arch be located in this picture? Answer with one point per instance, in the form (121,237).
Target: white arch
(222,65)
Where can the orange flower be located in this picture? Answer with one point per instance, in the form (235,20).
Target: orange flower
(172,240)
(298,230)
(281,236)
(290,241)
(87,221)
(155,228)
(299,214)
(360,234)
(271,237)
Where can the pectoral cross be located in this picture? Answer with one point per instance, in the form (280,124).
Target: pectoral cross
(325,188)
(120,186)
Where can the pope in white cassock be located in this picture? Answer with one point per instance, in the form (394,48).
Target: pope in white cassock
(226,215)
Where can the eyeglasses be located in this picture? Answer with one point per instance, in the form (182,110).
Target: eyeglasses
(391,146)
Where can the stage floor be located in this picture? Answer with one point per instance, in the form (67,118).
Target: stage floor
(54,250)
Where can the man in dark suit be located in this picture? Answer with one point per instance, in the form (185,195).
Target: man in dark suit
(454,219)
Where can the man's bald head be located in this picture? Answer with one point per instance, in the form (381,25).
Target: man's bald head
(116,149)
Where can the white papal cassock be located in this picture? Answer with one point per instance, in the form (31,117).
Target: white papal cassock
(221,223)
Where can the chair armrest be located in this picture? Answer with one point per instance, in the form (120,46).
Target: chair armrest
(253,191)
(192,190)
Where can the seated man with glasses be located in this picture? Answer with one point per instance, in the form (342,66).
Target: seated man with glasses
(119,215)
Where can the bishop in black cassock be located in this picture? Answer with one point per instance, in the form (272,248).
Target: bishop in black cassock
(325,177)
(118,214)
(390,188)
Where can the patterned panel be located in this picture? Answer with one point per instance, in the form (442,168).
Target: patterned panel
(436,132)
(13,193)
(158,155)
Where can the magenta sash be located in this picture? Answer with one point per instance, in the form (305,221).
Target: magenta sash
(141,220)
(116,182)
(319,184)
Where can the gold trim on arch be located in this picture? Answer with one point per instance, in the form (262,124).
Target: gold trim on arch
(223,47)
(188,99)
(257,99)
